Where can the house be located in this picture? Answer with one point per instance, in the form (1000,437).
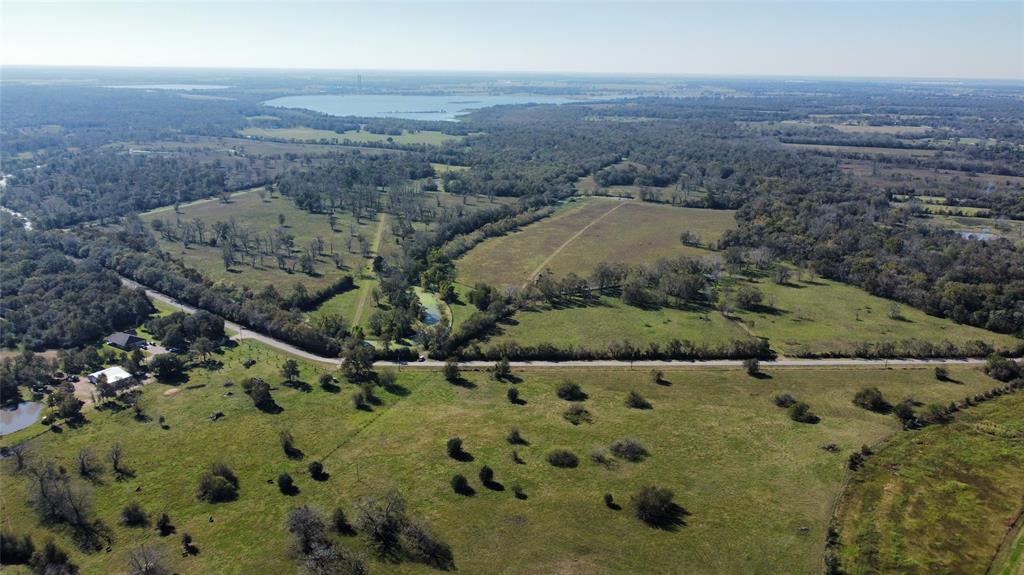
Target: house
(115,375)
(126,341)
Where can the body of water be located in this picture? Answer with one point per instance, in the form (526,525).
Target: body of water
(412,107)
(431,307)
(185,87)
(23,415)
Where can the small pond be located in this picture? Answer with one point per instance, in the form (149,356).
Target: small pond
(19,417)
(431,307)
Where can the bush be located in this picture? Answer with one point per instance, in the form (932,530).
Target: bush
(316,470)
(752,366)
(454,448)
(326,380)
(359,401)
(420,544)
(855,462)
(163,525)
(609,500)
(451,370)
(133,515)
(460,484)
(749,297)
(941,373)
(52,560)
(870,398)
(15,550)
(286,484)
(288,445)
(218,485)
(784,400)
(629,449)
(637,401)
(1001,369)
(577,414)
(905,414)
(570,391)
(655,507)
(486,475)
(600,456)
(502,370)
(513,395)
(563,458)
(515,438)
(340,524)
(801,412)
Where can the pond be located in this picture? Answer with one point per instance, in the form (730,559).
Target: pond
(23,415)
(409,106)
(431,307)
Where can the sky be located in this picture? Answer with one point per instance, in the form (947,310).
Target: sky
(915,39)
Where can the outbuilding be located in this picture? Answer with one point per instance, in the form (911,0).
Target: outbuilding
(116,375)
(126,341)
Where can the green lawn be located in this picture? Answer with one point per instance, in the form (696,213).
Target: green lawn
(826,317)
(261,216)
(300,133)
(587,232)
(609,320)
(757,486)
(940,500)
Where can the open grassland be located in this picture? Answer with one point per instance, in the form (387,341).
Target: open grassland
(757,486)
(245,147)
(587,232)
(823,317)
(608,321)
(587,186)
(940,500)
(1011,230)
(260,215)
(904,152)
(305,134)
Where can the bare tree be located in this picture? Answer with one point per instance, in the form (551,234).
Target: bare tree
(146,561)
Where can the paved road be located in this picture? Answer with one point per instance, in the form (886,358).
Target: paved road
(244,333)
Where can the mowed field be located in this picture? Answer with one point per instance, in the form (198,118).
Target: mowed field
(300,133)
(587,232)
(823,317)
(758,487)
(608,321)
(260,215)
(941,500)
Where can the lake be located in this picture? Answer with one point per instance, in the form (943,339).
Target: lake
(409,106)
(14,418)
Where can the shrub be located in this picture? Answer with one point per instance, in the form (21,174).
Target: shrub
(749,297)
(52,560)
(855,462)
(784,400)
(359,400)
(637,401)
(502,369)
(563,458)
(655,507)
(870,398)
(460,484)
(752,366)
(451,370)
(340,524)
(609,500)
(1001,369)
(517,490)
(316,470)
(133,515)
(577,414)
(486,475)
(420,544)
(513,395)
(801,412)
(286,484)
(629,449)
(657,376)
(454,448)
(570,391)
(218,485)
(515,438)
(941,373)
(381,519)
(326,380)
(600,456)
(307,529)
(163,525)
(905,414)
(288,444)
(15,550)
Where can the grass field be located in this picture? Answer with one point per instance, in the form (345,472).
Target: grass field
(757,486)
(940,500)
(610,321)
(256,214)
(424,137)
(904,152)
(826,317)
(587,232)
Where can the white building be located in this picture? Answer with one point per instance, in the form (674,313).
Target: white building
(115,375)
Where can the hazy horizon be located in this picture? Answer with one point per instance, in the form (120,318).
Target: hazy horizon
(809,39)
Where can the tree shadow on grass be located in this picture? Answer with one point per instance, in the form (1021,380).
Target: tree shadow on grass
(299,386)
(672,519)
(463,382)
(396,389)
(463,456)
(330,387)
(494,486)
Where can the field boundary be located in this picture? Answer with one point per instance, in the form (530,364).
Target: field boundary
(377,238)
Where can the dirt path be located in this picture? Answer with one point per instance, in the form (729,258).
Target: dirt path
(377,239)
(547,261)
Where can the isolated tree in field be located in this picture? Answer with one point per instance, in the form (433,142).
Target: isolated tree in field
(752,366)
(502,369)
(784,400)
(218,485)
(358,362)
(288,445)
(326,380)
(577,414)
(513,395)
(316,470)
(166,366)
(52,560)
(563,458)
(146,561)
(280,220)
(486,475)
(286,484)
(116,457)
(655,507)
(290,370)
(454,448)
(20,453)
(259,391)
(451,370)
(514,437)
(460,484)
(163,525)
(203,347)
(749,297)
(133,515)
(570,391)
(871,398)
(801,412)
(89,465)
(941,373)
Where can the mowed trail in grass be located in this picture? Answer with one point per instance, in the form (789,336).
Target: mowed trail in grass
(751,479)
(261,216)
(827,317)
(940,500)
(634,232)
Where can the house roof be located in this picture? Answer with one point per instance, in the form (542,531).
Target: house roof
(123,339)
(114,374)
